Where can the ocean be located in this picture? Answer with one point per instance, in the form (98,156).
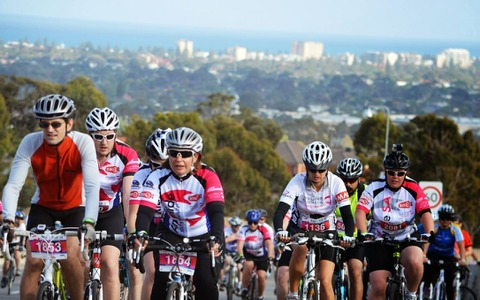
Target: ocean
(73,33)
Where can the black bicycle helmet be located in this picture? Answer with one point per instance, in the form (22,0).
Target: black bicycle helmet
(396,159)
(349,168)
(446,212)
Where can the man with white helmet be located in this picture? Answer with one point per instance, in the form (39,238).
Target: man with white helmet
(313,197)
(67,178)
(117,163)
(156,150)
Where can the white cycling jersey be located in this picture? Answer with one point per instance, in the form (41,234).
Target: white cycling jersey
(312,210)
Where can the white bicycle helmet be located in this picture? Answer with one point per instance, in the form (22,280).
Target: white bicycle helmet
(349,168)
(184,138)
(54,106)
(235,221)
(102,119)
(156,147)
(317,156)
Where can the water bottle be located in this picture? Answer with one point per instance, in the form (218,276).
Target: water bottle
(58,225)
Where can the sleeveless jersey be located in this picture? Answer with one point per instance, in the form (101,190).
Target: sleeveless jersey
(123,162)
(254,241)
(66,175)
(393,212)
(312,210)
(183,200)
(353,206)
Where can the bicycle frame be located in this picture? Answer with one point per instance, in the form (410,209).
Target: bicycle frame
(341,278)
(51,246)
(94,287)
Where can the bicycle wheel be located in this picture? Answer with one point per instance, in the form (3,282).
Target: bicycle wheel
(393,291)
(93,290)
(253,288)
(231,283)
(11,276)
(173,291)
(45,291)
(467,293)
(124,279)
(312,290)
(440,292)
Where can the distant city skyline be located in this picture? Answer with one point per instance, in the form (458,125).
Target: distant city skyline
(408,19)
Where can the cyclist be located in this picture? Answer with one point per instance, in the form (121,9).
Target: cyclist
(66,174)
(192,200)
(263,220)
(231,247)
(443,248)
(117,163)
(467,241)
(313,196)
(256,245)
(156,150)
(349,170)
(393,202)
(282,265)
(16,245)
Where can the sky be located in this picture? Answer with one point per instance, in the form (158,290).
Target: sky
(413,19)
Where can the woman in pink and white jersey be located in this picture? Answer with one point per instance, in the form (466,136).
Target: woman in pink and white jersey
(191,196)
(394,201)
(117,163)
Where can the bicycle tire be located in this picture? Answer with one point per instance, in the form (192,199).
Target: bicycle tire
(312,290)
(253,288)
(93,290)
(11,277)
(173,291)
(45,291)
(393,291)
(124,279)
(231,283)
(441,292)
(467,293)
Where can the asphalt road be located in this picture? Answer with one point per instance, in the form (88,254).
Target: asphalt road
(268,295)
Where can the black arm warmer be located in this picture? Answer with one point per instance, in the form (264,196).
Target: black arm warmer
(215,212)
(280,213)
(347,217)
(144,218)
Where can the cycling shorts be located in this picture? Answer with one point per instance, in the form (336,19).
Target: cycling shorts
(41,215)
(380,256)
(113,222)
(261,262)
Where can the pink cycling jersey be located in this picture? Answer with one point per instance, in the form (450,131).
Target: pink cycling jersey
(123,162)
(393,212)
(183,200)
(254,240)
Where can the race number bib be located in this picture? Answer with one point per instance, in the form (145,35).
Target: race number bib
(55,248)
(185,262)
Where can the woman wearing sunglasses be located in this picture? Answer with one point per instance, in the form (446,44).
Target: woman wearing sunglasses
(66,176)
(156,150)
(191,196)
(394,201)
(313,197)
(117,163)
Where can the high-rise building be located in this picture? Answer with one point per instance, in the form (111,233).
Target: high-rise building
(454,57)
(185,47)
(307,49)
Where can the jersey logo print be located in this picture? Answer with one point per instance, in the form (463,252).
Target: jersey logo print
(405,204)
(386,205)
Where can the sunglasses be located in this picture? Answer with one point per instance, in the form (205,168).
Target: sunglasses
(252,223)
(350,180)
(99,137)
(398,173)
(55,125)
(315,171)
(183,154)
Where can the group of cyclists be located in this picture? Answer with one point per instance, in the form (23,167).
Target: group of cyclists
(96,181)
